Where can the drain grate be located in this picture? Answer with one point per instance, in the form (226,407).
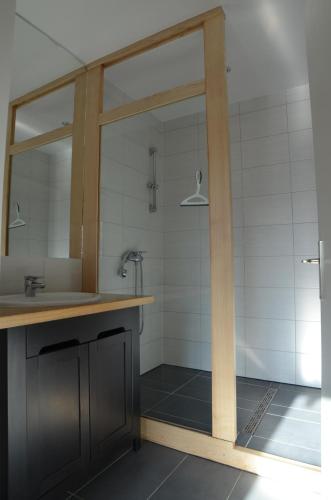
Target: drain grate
(259,412)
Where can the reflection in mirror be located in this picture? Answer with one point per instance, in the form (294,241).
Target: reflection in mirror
(39,199)
(176,335)
(47,113)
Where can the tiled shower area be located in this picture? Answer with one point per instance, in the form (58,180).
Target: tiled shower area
(277,298)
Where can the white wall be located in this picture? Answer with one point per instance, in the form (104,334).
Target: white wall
(275,227)
(318,21)
(7,16)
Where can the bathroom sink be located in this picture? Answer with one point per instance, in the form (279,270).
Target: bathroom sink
(49,299)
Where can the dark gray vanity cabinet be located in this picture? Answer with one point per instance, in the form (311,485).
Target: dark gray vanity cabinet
(70,390)
(110,392)
(57,417)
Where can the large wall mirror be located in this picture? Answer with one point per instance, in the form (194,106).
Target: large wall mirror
(38,190)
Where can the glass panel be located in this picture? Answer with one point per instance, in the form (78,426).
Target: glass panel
(278,331)
(45,114)
(39,217)
(176,63)
(176,337)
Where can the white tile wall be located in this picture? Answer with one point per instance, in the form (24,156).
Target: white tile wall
(126,222)
(265,151)
(41,184)
(276,226)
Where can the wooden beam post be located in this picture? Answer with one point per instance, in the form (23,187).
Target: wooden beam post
(91,168)
(220,215)
(7,180)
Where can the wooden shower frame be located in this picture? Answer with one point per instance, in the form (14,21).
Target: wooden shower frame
(89,117)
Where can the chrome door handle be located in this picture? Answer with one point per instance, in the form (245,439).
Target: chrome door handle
(320,262)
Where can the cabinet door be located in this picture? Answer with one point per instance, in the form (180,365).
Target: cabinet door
(110,392)
(57,405)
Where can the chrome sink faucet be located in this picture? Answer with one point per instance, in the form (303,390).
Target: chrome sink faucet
(31,284)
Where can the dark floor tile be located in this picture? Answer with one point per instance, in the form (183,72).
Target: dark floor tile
(251,487)
(204,373)
(167,377)
(135,476)
(285,450)
(285,411)
(247,404)
(243,439)
(185,408)
(303,398)
(199,388)
(243,417)
(198,479)
(300,388)
(288,431)
(253,381)
(250,391)
(150,397)
(179,421)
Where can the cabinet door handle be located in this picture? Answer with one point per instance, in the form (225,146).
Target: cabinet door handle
(59,346)
(110,333)
(310,261)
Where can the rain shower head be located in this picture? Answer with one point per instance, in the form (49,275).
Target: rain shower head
(197,199)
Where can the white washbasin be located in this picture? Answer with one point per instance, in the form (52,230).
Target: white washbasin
(49,299)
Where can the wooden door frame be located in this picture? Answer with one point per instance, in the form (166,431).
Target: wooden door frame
(220,446)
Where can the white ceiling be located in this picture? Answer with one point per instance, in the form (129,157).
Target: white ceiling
(265,43)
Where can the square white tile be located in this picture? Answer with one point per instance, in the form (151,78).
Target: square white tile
(266,210)
(274,240)
(269,271)
(303,175)
(260,181)
(304,206)
(270,334)
(301,145)
(263,123)
(269,303)
(306,239)
(270,365)
(265,151)
(299,115)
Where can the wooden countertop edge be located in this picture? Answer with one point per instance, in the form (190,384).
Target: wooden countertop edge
(24,316)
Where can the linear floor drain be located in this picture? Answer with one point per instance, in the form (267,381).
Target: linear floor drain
(259,412)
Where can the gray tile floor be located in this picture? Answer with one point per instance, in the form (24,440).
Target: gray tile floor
(290,426)
(159,473)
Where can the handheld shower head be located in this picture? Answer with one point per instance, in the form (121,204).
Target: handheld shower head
(135,256)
